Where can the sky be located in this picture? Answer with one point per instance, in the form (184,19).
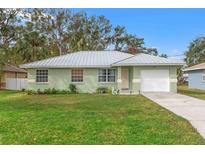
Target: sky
(168,30)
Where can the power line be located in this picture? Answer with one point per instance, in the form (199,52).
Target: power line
(175,55)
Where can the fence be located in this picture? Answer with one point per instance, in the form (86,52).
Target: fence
(16,83)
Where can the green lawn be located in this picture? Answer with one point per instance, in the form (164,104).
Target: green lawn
(192,92)
(89,119)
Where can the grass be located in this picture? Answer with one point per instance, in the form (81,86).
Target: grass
(89,119)
(197,93)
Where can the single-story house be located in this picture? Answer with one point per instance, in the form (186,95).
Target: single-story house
(196,76)
(12,77)
(89,70)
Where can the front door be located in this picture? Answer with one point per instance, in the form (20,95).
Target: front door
(125,78)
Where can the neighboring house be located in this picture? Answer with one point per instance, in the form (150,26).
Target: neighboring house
(185,76)
(13,77)
(196,76)
(89,70)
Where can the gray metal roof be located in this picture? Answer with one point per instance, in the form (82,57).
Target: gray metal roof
(91,59)
(147,60)
(99,59)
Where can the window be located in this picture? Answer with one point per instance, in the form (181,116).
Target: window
(106,75)
(42,76)
(203,77)
(102,75)
(77,75)
(111,75)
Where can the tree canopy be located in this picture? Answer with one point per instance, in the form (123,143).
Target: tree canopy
(196,52)
(28,35)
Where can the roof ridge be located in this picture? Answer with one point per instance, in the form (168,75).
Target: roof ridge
(144,58)
(124,59)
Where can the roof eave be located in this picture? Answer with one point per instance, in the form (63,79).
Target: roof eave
(195,69)
(79,66)
(168,64)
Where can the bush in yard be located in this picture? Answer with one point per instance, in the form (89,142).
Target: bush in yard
(40,92)
(31,92)
(102,90)
(48,91)
(63,92)
(54,91)
(110,90)
(73,88)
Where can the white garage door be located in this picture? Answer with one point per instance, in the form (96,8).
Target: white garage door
(155,81)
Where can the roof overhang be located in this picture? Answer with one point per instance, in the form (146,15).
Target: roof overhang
(154,64)
(49,67)
(195,69)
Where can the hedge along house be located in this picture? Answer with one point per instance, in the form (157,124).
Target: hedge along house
(89,70)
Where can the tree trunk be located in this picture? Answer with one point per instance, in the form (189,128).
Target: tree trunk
(59,48)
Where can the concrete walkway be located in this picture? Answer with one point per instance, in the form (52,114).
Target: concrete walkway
(190,108)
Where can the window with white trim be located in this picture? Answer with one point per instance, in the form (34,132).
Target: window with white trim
(111,75)
(41,76)
(102,75)
(106,75)
(203,77)
(77,75)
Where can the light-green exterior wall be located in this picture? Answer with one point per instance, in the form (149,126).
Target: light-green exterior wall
(61,78)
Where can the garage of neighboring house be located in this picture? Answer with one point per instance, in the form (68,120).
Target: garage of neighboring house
(13,78)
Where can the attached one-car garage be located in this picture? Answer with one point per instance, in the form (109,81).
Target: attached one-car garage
(155,81)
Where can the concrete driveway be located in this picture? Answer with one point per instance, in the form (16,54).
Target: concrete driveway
(190,108)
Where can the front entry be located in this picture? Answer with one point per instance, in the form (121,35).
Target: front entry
(125,79)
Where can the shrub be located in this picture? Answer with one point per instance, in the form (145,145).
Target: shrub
(110,91)
(73,88)
(54,91)
(31,92)
(48,91)
(40,92)
(102,90)
(64,92)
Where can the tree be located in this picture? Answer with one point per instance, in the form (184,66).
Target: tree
(163,55)
(8,23)
(55,24)
(32,46)
(122,41)
(151,51)
(196,52)
(88,33)
(118,38)
(132,41)
(27,35)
